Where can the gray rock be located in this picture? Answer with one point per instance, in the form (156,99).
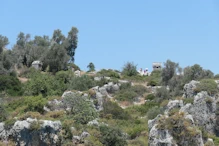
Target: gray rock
(93,123)
(78,73)
(202,112)
(123,81)
(76,139)
(189,89)
(210,142)
(152,122)
(84,135)
(23,134)
(173,104)
(160,137)
(103,91)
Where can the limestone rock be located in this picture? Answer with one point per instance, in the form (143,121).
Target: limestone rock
(24,134)
(203,111)
(174,104)
(160,137)
(189,89)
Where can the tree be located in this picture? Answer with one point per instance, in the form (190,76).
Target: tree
(130,69)
(58,37)
(3,42)
(72,42)
(111,136)
(91,67)
(169,70)
(196,72)
(20,49)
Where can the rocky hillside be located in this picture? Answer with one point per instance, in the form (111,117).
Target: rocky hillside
(110,108)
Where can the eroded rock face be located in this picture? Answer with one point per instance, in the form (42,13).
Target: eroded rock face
(27,132)
(203,111)
(174,104)
(189,89)
(160,137)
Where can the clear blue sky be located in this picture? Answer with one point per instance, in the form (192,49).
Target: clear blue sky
(112,32)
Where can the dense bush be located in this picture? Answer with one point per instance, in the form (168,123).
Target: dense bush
(112,136)
(162,94)
(143,109)
(44,84)
(208,85)
(153,112)
(64,76)
(81,109)
(82,83)
(113,109)
(29,103)
(10,84)
(3,113)
(129,69)
(150,97)
(128,92)
(72,65)
(216,76)
(108,73)
(196,72)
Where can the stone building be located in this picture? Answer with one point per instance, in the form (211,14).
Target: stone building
(157,66)
(37,65)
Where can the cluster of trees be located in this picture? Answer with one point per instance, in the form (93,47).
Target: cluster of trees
(175,77)
(55,53)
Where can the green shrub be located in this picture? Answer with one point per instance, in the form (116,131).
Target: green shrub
(72,65)
(3,113)
(139,89)
(82,83)
(143,109)
(102,82)
(82,110)
(35,126)
(111,136)
(162,94)
(43,84)
(8,124)
(152,83)
(10,85)
(216,76)
(126,95)
(64,76)
(150,97)
(128,92)
(108,73)
(153,112)
(113,109)
(125,86)
(129,69)
(188,100)
(30,103)
(208,85)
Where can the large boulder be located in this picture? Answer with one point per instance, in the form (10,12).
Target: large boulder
(160,138)
(32,132)
(189,89)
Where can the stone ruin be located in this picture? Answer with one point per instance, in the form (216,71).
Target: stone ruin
(157,66)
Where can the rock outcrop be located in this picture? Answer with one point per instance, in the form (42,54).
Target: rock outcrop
(203,111)
(200,113)
(32,132)
(189,89)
